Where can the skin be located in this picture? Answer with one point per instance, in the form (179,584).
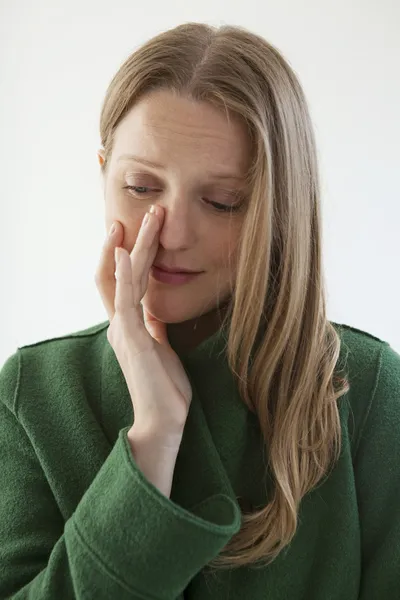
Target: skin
(193,141)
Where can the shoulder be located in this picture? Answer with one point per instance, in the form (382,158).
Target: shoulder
(361,352)
(357,341)
(58,350)
(372,367)
(50,361)
(69,338)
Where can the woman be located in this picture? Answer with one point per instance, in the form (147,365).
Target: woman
(217,437)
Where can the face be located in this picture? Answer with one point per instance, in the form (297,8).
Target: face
(199,163)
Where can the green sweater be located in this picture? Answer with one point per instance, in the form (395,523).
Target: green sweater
(78,519)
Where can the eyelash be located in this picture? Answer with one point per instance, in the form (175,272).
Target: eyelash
(222,208)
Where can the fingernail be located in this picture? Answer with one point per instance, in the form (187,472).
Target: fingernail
(112,230)
(152,209)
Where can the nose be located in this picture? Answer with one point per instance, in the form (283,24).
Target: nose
(178,230)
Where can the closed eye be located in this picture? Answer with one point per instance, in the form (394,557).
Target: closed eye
(224,207)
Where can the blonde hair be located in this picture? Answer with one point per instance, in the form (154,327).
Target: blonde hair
(281,347)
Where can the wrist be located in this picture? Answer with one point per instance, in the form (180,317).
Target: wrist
(155,437)
(155,457)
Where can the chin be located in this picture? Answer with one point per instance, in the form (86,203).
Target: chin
(177,304)
(173,314)
(172,309)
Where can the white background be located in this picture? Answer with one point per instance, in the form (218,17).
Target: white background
(56,61)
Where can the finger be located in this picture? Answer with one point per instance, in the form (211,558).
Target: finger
(143,253)
(105,273)
(124,295)
(156,328)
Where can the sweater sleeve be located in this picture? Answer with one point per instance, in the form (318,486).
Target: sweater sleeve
(377,471)
(125,539)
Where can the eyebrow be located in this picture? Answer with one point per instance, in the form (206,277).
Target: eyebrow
(149,163)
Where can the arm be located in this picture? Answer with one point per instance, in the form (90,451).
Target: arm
(155,455)
(125,540)
(377,470)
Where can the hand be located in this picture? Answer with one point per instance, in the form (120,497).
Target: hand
(156,379)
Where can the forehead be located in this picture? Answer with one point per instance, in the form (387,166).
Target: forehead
(165,127)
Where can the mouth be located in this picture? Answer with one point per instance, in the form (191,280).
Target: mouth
(174,269)
(173,277)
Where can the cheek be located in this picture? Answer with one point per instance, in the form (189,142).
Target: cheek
(120,208)
(131,225)
(222,262)
(222,249)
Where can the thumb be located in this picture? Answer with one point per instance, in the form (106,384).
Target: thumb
(156,328)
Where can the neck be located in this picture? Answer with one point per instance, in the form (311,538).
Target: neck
(187,335)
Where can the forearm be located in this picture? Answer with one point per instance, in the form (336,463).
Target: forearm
(155,455)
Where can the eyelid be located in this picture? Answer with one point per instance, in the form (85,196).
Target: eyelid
(147,176)
(142,179)
(225,208)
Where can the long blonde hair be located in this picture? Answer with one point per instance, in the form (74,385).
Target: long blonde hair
(281,347)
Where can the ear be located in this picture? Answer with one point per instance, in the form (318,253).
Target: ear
(100,156)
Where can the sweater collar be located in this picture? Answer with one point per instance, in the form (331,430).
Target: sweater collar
(211,347)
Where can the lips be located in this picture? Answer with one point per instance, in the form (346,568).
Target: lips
(175,270)
(172,278)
